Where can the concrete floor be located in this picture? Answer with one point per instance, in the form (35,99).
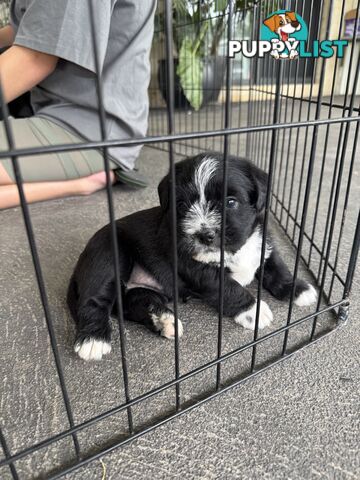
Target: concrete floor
(297,420)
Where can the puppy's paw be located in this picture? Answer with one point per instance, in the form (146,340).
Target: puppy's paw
(165,324)
(307,297)
(247,319)
(92,348)
(293,54)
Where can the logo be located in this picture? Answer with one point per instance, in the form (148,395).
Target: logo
(284,35)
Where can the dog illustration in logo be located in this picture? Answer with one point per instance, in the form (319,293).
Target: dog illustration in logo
(283,24)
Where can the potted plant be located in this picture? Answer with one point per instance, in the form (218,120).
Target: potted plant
(200,55)
(199,68)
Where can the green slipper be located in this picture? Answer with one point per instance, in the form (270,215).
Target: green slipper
(132,178)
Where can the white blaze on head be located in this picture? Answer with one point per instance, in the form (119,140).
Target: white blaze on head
(203,174)
(199,215)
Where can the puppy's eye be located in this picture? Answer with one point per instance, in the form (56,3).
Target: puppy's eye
(231,202)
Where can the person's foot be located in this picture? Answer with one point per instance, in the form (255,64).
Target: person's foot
(95,182)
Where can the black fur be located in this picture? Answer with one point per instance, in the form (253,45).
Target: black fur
(145,239)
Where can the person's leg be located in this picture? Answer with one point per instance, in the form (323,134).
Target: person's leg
(49,176)
(41,191)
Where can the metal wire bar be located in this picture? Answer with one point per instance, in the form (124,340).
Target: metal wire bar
(307,191)
(309,109)
(312,19)
(308,100)
(114,240)
(169,384)
(345,207)
(327,134)
(267,210)
(245,14)
(171,417)
(37,267)
(269,103)
(74,147)
(337,195)
(307,236)
(285,116)
(353,259)
(8,456)
(170,115)
(298,225)
(336,167)
(265,131)
(249,137)
(223,195)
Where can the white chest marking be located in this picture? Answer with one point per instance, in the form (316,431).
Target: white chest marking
(244,263)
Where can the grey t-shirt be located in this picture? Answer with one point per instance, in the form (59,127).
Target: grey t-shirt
(124,30)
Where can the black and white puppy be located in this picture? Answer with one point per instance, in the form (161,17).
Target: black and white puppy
(145,256)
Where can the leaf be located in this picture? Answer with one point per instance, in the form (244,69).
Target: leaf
(181,6)
(190,72)
(220,5)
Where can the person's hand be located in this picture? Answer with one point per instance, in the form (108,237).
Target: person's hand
(7,36)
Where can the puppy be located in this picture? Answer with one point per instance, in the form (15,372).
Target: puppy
(283,24)
(146,263)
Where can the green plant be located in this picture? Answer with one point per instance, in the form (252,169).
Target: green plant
(199,27)
(205,25)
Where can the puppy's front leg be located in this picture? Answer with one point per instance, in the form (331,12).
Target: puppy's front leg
(238,302)
(278,281)
(246,306)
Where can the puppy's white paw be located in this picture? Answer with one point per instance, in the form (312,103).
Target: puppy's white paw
(92,349)
(165,323)
(247,319)
(307,297)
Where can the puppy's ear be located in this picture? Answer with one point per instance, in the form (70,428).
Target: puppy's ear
(260,180)
(292,16)
(164,192)
(270,23)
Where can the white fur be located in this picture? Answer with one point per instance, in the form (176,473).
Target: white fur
(199,214)
(92,349)
(247,319)
(165,323)
(243,263)
(307,297)
(210,256)
(203,174)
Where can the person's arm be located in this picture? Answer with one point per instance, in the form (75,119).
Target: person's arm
(7,36)
(22,68)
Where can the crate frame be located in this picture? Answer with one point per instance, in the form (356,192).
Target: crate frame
(259,136)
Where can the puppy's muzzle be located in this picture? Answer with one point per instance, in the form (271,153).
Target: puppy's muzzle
(295,24)
(206,236)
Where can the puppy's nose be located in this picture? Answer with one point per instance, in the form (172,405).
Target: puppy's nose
(295,24)
(206,236)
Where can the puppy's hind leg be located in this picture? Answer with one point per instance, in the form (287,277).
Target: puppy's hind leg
(93,331)
(149,307)
(278,281)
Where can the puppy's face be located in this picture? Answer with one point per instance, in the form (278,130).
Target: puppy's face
(283,24)
(199,185)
